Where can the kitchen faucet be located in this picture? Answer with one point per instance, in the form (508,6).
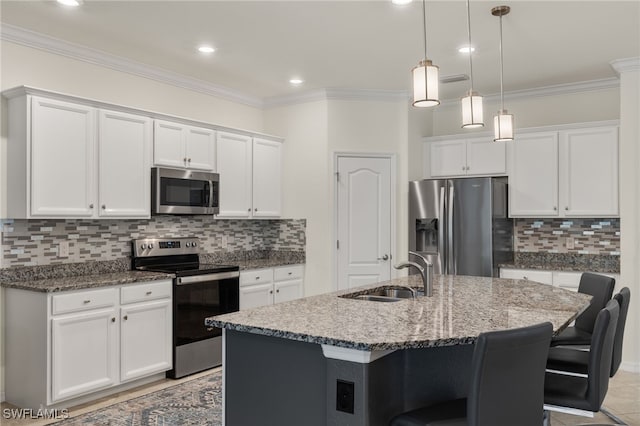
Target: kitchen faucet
(427,275)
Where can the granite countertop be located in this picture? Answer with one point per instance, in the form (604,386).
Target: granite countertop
(80,282)
(461,308)
(265,263)
(565,262)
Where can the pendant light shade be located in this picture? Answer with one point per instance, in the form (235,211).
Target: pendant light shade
(503,126)
(425,75)
(472,111)
(425,84)
(472,116)
(502,122)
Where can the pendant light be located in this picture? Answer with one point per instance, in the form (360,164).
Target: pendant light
(472,102)
(502,122)
(425,75)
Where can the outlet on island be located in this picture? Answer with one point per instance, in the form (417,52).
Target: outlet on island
(63,249)
(570,243)
(345,396)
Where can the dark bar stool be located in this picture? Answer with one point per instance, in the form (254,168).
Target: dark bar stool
(507,383)
(601,288)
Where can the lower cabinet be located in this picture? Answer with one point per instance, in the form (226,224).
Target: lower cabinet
(261,287)
(79,342)
(564,279)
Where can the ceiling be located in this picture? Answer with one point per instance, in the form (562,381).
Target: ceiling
(347,44)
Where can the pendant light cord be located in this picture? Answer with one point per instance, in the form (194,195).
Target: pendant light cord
(424,27)
(470,53)
(501,69)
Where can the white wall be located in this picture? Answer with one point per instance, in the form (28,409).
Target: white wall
(306,177)
(22,65)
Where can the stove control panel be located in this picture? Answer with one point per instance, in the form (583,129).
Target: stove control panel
(164,246)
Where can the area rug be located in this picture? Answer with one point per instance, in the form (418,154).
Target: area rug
(195,402)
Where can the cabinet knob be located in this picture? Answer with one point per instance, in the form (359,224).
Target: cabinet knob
(290,273)
(278,291)
(555,208)
(566,208)
(464,168)
(525,277)
(149,293)
(270,291)
(90,206)
(468,167)
(104,207)
(113,319)
(257,277)
(255,210)
(86,301)
(126,317)
(184,160)
(249,209)
(189,160)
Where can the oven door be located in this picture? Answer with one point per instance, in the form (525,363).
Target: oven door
(199,297)
(178,191)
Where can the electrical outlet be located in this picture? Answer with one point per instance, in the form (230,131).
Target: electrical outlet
(570,243)
(63,249)
(223,241)
(345,396)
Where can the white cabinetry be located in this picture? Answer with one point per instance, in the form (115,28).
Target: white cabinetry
(183,146)
(68,160)
(570,173)
(467,157)
(250,176)
(63,347)
(261,287)
(568,280)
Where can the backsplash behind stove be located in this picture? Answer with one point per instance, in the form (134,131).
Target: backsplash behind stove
(36,242)
(590,236)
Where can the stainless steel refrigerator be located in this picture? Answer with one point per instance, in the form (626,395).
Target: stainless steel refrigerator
(461,225)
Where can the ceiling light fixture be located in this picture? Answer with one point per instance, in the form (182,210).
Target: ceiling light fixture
(206,49)
(502,122)
(466,49)
(425,75)
(401,2)
(472,102)
(296,81)
(72,3)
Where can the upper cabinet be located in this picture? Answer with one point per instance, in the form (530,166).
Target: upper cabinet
(250,176)
(570,173)
(182,146)
(69,160)
(467,157)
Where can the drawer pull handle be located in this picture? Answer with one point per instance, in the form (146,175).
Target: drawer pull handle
(113,319)
(290,273)
(86,301)
(126,317)
(149,293)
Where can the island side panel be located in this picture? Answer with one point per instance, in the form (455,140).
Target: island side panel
(273,381)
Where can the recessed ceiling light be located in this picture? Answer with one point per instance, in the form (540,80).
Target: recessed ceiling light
(401,2)
(206,49)
(296,81)
(466,49)
(72,3)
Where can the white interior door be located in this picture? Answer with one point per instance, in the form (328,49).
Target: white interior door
(364,220)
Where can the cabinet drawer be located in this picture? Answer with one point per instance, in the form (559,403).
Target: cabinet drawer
(83,301)
(288,272)
(146,291)
(256,276)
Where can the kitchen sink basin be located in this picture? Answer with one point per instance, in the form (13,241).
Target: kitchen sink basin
(384,294)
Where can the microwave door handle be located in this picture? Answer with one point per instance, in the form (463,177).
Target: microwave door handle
(211,194)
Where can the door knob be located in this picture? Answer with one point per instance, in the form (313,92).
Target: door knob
(384,257)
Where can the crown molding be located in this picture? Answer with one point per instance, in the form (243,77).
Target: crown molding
(79,52)
(626,65)
(556,89)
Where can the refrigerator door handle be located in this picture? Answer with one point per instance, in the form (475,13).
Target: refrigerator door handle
(451,264)
(442,256)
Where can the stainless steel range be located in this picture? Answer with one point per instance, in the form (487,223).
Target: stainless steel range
(199,291)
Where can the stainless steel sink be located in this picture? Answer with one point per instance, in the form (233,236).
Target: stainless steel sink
(384,294)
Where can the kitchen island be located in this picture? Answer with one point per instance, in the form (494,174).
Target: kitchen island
(328,359)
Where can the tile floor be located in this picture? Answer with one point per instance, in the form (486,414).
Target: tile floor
(623,400)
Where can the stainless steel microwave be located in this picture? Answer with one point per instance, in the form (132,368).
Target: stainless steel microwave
(178,191)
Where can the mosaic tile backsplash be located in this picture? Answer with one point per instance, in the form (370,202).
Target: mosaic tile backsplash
(588,236)
(36,242)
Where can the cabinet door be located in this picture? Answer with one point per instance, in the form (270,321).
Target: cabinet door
(168,144)
(124,159)
(200,148)
(84,353)
(145,339)
(287,290)
(533,175)
(589,172)
(486,157)
(62,159)
(267,178)
(449,158)
(234,166)
(253,296)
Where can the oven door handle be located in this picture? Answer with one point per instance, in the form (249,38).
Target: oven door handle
(208,277)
